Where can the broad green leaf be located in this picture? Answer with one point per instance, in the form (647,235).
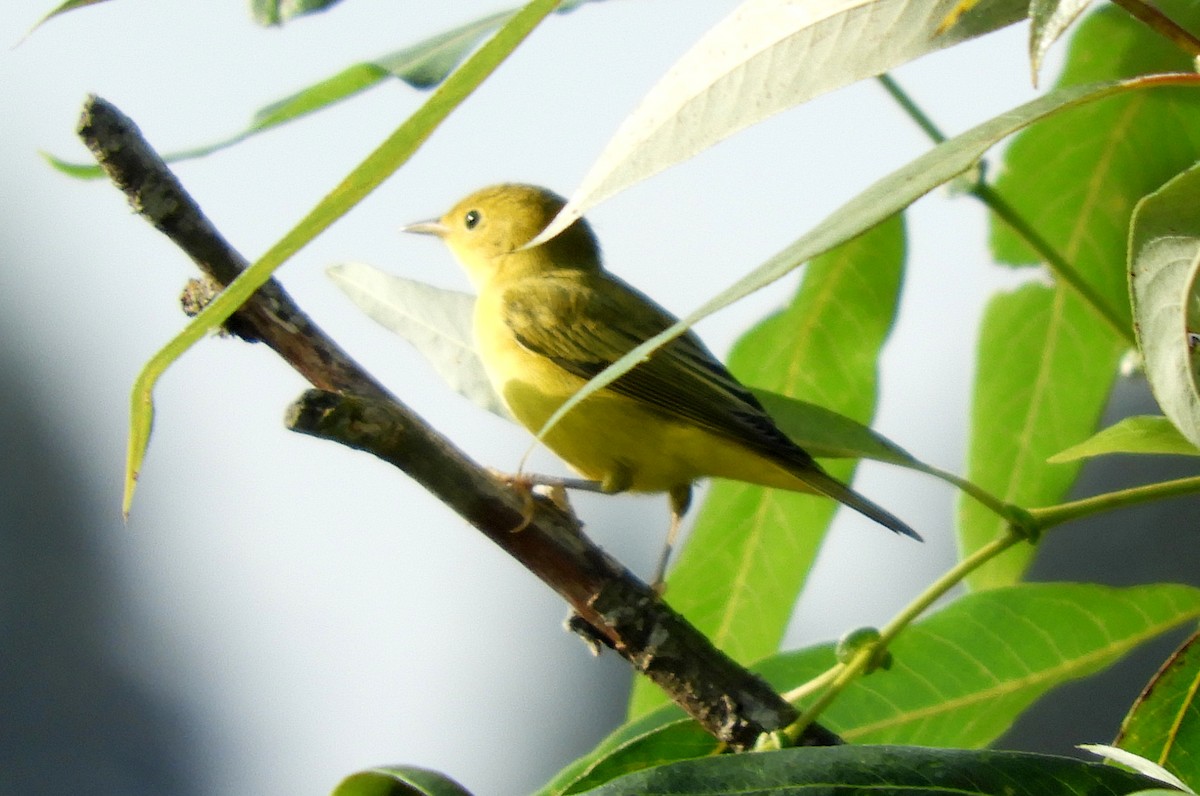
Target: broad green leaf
(366,177)
(1135,762)
(883,770)
(1049,19)
(790,51)
(399,781)
(750,549)
(1142,434)
(1164,723)
(1164,257)
(1076,176)
(883,199)
(1046,364)
(436,321)
(423,65)
(627,751)
(959,678)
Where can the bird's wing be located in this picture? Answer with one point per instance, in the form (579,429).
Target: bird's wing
(583,327)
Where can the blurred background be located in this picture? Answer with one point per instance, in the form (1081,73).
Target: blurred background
(280,612)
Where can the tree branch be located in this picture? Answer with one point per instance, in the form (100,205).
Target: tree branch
(352,408)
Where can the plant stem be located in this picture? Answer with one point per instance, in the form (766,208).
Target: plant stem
(1065,512)
(1009,215)
(1160,23)
(845,673)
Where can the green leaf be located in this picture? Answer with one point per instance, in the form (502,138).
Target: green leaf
(399,781)
(276,12)
(1164,258)
(1143,434)
(883,770)
(62,8)
(1047,362)
(366,177)
(1049,19)
(1164,723)
(423,65)
(751,547)
(790,54)
(883,199)
(1076,176)
(959,677)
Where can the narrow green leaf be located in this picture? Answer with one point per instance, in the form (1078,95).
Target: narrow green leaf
(366,177)
(1049,19)
(399,781)
(1164,723)
(751,548)
(881,770)
(1046,366)
(791,54)
(1164,258)
(422,65)
(885,198)
(277,12)
(62,8)
(1142,434)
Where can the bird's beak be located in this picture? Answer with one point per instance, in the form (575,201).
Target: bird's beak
(431,227)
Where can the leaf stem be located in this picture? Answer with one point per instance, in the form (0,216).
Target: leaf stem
(1065,512)
(1160,23)
(1009,215)
(843,674)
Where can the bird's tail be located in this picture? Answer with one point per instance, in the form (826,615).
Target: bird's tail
(827,485)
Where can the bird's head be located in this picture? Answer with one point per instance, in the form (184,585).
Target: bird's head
(487,230)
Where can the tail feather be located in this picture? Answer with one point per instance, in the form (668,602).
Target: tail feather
(829,486)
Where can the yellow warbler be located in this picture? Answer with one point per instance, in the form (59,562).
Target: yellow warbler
(550,317)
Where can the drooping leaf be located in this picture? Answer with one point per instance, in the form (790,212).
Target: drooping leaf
(1047,362)
(277,12)
(422,65)
(1164,258)
(789,52)
(1164,723)
(751,547)
(436,321)
(1142,434)
(911,771)
(399,781)
(1049,19)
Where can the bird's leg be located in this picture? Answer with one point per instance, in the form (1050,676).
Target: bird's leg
(681,499)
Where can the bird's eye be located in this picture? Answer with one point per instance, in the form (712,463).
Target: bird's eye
(471,219)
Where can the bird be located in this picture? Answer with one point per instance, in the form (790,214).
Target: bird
(549,317)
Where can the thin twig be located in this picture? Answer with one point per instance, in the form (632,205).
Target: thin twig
(1160,23)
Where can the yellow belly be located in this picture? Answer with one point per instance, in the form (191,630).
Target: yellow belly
(609,437)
